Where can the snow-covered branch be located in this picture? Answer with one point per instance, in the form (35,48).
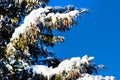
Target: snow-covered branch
(41,20)
(75,68)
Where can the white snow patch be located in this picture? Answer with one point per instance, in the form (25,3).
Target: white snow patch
(96,77)
(65,65)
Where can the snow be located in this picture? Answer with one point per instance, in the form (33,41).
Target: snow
(101,66)
(38,15)
(84,10)
(69,65)
(66,65)
(96,77)
(74,13)
(86,59)
(41,69)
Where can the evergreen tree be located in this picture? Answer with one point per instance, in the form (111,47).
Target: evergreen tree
(23,46)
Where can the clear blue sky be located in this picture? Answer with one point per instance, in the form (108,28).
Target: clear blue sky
(98,34)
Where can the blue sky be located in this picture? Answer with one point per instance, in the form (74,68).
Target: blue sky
(98,34)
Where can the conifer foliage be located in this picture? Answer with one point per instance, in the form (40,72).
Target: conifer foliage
(23,46)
